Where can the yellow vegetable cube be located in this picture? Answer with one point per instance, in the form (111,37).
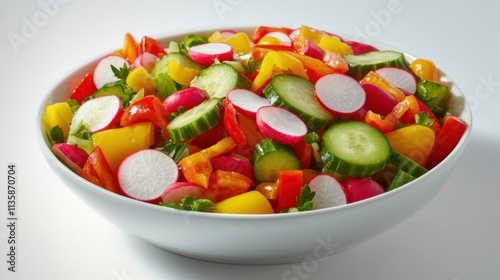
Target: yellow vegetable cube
(252,202)
(118,143)
(139,78)
(58,114)
(240,42)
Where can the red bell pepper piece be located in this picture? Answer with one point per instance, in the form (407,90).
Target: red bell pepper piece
(231,123)
(97,171)
(447,139)
(152,46)
(289,184)
(210,137)
(225,184)
(261,31)
(84,89)
(148,108)
(304,153)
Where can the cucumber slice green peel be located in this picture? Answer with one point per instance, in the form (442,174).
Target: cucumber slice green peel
(354,148)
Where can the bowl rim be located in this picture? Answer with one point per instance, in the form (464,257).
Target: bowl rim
(89,63)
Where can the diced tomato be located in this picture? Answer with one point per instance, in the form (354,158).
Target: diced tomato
(289,184)
(152,46)
(224,184)
(446,139)
(97,171)
(148,108)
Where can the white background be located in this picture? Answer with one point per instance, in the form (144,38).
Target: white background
(455,237)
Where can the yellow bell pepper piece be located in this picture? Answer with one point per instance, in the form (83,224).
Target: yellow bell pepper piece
(139,78)
(277,63)
(58,114)
(216,37)
(252,202)
(413,141)
(311,34)
(240,42)
(330,43)
(118,143)
(180,74)
(269,40)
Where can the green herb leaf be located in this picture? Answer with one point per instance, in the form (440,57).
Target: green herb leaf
(56,135)
(189,203)
(422,118)
(304,201)
(74,105)
(311,138)
(176,151)
(165,86)
(81,132)
(192,40)
(121,73)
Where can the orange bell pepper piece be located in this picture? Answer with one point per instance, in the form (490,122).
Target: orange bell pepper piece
(414,141)
(197,167)
(225,184)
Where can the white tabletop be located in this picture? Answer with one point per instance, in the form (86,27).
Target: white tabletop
(456,236)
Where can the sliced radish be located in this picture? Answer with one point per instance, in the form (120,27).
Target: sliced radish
(361,188)
(313,50)
(103,74)
(378,100)
(98,114)
(207,53)
(399,78)
(246,102)
(280,125)
(185,98)
(226,33)
(146,60)
(175,192)
(282,37)
(329,191)
(228,163)
(360,48)
(340,94)
(74,157)
(144,175)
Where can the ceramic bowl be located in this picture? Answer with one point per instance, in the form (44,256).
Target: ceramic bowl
(256,239)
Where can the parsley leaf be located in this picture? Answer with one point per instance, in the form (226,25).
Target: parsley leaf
(304,201)
(81,132)
(121,73)
(56,135)
(422,118)
(189,203)
(176,151)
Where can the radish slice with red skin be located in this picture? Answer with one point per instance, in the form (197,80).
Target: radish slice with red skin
(226,33)
(360,48)
(74,157)
(340,94)
(228,163)
(313,50)
(175,192)
(329,191)
(103,74)
(146,60)
(361,188)
(98,114)
(399,78)
(144,175)
(186,98)
(246,102)
(282,37)
(280,125)
(378,100)
(207,53)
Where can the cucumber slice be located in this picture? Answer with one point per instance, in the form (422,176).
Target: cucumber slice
(218,79)
(360,65)
(270,158)
(355,149)
(296,94)
(183,60)
(195,121)
(434,96)
(407,165)
(399,179)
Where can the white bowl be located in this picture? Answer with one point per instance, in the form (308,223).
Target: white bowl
(256,239)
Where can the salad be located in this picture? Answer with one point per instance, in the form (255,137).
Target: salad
(278,120)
